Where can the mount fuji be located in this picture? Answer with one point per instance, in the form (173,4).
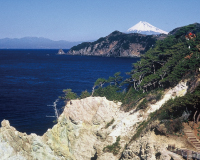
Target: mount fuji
(145,28)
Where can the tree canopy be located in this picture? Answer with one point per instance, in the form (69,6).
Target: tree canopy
(166,63)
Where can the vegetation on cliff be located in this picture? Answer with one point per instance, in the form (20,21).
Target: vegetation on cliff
(162,66)
(172,59)
(114,148)
(174,108)
(166,63)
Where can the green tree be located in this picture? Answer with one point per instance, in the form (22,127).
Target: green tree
(115,79)
(84,94)
(69,95)
(99,82)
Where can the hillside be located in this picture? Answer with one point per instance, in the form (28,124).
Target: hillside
(117,44)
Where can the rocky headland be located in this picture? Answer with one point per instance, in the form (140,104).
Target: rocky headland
(160,112)
(85,129)
(117,44)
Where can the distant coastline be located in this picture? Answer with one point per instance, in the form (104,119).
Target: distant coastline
(35,43)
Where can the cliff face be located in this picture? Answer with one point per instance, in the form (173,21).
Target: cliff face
(84,128)
(117,44)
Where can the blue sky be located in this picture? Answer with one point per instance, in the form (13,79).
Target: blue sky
(84,20)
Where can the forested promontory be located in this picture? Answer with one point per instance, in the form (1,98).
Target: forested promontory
(117,44)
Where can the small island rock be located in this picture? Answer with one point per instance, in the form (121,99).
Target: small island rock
(60,52)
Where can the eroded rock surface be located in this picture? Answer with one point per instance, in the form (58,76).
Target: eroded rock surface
(79,134)
(82,132)
(152,147)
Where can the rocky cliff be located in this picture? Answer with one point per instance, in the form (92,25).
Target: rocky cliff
(117,44)
(88,129)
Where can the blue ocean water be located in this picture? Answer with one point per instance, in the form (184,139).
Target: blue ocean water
(32,80)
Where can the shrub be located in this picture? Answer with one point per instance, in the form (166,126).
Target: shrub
(131,98)
(140,128)
(173,126)
(142,105)
(84,94)
(69,95)
(114,148)
(109,123)
(110,92)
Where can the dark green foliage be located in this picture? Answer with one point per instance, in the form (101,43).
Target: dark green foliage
(185,30)
(116,79)
(142,105)
(155,95)
(173,126)
(100,82)
(171,112)
(166,63)
(114,148)
(140,128)
(69,95)
(110,92)
(84,94)
(131,98)
(125,46)
(174,108)
(109,123)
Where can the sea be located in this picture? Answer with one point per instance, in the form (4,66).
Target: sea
(31,82)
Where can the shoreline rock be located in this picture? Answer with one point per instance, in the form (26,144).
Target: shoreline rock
(82,133)
(60,52)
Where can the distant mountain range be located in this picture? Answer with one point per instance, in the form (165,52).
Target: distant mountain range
(145,28)
(35,43)
(44,43)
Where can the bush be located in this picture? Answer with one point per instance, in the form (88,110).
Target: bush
(114,148)
(140,128)
(84,94)
(69,95)
(109,123)
(142,105)
(131,98)
(110,92)
(173,126)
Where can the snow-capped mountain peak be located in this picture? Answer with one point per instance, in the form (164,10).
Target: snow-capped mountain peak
(145,28)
